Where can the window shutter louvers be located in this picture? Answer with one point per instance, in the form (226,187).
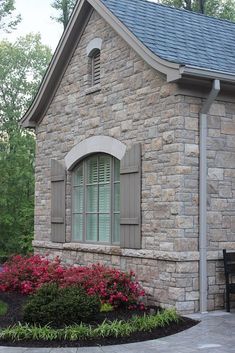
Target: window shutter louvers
(57,202)
(96,69)
(130,198)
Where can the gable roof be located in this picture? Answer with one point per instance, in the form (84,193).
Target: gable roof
(177,35)
(175,42)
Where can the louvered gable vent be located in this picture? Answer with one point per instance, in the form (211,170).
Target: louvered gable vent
(96,68)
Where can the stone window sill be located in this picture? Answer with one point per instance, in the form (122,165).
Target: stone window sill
(93,89)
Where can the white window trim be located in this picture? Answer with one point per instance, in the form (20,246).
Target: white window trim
(94,144)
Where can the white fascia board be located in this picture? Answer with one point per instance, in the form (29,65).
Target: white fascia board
(170,69)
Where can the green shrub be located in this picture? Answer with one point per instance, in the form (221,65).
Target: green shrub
(3,308)
(106,307)
(60,306)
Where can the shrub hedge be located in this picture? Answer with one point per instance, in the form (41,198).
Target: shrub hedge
(60,306)
(27,274)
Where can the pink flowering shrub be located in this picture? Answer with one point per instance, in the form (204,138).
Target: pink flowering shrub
(112,286)
(27,274)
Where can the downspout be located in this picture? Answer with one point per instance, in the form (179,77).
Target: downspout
(203,195)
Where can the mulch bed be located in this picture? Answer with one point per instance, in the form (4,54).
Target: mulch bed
(14,315)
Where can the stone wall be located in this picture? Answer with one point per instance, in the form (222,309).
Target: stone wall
(135,104)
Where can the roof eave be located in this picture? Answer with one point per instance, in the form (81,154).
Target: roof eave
(193,71)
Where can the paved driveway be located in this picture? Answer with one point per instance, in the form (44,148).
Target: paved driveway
(214,334)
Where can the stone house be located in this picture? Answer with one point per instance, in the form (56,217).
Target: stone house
(135,161)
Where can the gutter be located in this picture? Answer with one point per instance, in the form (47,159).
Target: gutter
(215,89)
(206,73)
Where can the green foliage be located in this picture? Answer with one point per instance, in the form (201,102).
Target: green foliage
(3,308)
(60,306)
(87,332)
(64,8)
(8,20)
(216,8)
(106,307)
(22,66)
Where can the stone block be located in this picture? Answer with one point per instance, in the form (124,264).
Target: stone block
(192,295)
(217,110)
(184,222)
(176,293)
(215,173)
(185,306)
(228,127)
(168,137)
(187,267)
(191,123)
(186,244)
(156,144)
(191,150)
(225,159)
(166,246)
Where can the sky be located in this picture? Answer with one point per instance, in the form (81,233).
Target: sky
(36,18)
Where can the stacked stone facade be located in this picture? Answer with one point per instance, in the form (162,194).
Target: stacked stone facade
(136,104)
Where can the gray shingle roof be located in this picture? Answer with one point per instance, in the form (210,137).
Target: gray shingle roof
(179,36)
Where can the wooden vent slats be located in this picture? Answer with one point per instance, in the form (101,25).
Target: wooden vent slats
(96,69)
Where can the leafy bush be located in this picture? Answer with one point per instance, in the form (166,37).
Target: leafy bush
(60,306)
(27,274)
(3,308)
(87,332)
(111,285)
(106,307)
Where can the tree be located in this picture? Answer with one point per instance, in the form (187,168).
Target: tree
(217,8)
(22,66)
(64,8)
(8,20)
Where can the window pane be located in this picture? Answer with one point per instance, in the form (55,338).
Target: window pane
(117,197)
(78,199)
(92,170)
(91,227)
(92,198)
(104,169)
(104,228)
(104,197)
(78,176)
(116,235)
(116,170)
(77,226)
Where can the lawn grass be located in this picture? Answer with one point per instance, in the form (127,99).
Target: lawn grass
(3,308)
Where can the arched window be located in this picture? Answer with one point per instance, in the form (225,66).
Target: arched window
(95,68)
(96,200)
(93,52)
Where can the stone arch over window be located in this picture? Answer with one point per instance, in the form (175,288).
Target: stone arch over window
(93,52)
(95,144)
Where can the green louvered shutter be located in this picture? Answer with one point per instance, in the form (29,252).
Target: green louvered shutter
(57,202)
(130,198)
